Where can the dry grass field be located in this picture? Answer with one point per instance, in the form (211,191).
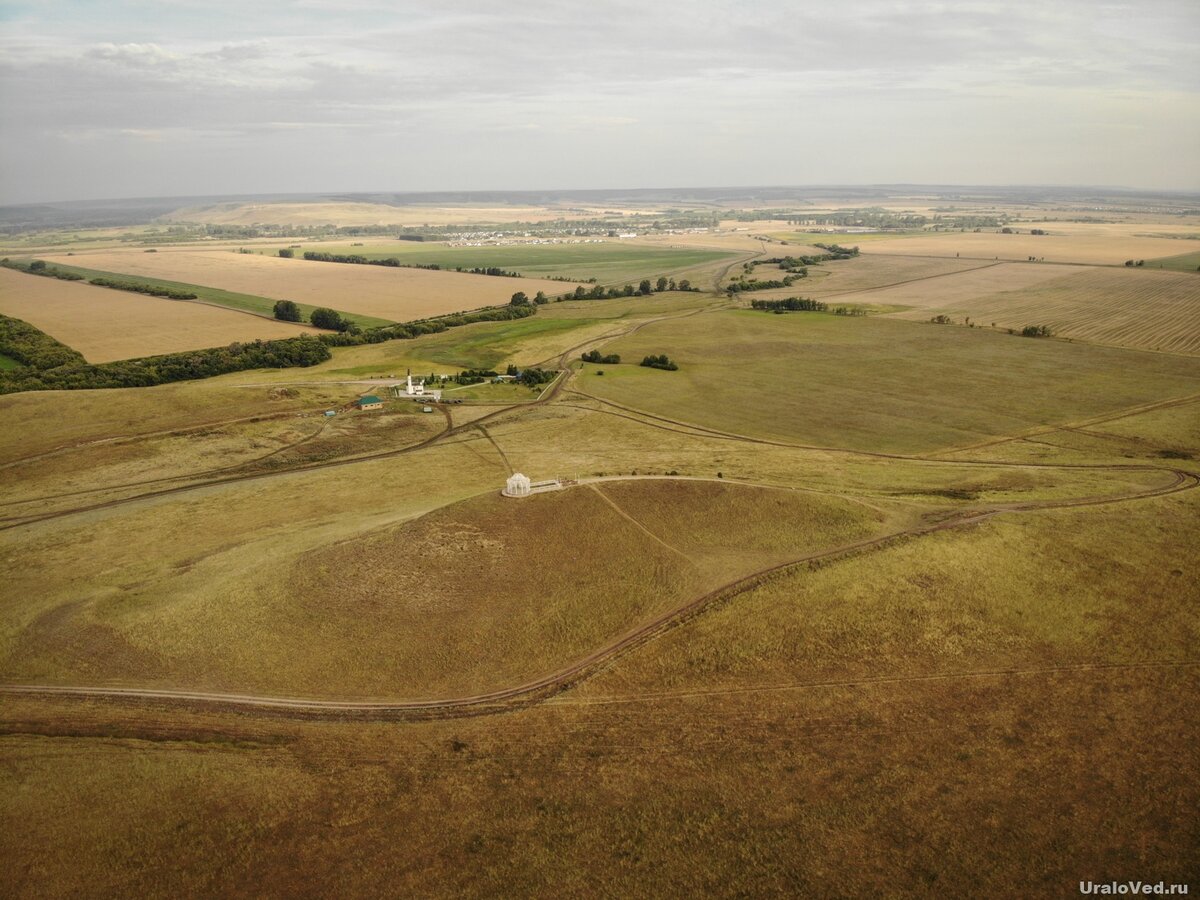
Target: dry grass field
(395,294)
(1109,248)
(105,324)
(983,704)
(874,383)
(1148,310)
(475,596)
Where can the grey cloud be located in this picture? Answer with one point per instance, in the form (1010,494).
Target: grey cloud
(605,87)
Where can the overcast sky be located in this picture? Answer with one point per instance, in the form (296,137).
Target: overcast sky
(175,97)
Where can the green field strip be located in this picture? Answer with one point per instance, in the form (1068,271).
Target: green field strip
(7,362)
(606,262)
(1184,262)
(247,303)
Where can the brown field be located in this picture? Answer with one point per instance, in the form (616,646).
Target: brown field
(346,214)
(1111,247)
(106,325)
(397,294)
(1148,310)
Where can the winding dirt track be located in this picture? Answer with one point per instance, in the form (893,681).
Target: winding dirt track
(539,689)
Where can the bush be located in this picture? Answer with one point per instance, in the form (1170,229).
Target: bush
(1036,331)
(659,362)
(286,254)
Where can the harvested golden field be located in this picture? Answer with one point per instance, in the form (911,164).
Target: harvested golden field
(106,325)
(928,292)
(396,294)
(867,272)
(361,214)
(1147,310)
(1111,247)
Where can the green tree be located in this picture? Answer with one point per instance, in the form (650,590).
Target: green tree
(287,311)
(644,288)
(662,284)
(329,319)
(286,254)
(519,299)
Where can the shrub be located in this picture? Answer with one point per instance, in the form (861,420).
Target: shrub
(659,362)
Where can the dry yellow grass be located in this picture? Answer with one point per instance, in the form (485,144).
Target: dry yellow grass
(386,293)
(105,324)
(1123,307)
(1111,247)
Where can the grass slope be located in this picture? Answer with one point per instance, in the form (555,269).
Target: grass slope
(728,741)
(481,594)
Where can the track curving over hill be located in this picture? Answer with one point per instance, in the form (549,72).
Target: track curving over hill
(550,684)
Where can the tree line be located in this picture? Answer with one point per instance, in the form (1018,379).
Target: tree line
(644,289)
(393,262)
(594,356)
(39,267)
(791,304)
(73,373)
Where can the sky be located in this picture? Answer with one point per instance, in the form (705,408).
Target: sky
(181,98)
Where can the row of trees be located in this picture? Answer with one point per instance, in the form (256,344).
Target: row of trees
(153,290)
(39,267)
(762,285)
(594,356)
(395,263)
(791,304)
(1036,331)
(644,289)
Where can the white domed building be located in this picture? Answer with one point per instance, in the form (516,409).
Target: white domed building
(518,485)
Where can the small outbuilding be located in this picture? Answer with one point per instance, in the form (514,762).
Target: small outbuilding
(369,402)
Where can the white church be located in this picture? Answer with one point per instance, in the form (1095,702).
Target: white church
(415,389)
